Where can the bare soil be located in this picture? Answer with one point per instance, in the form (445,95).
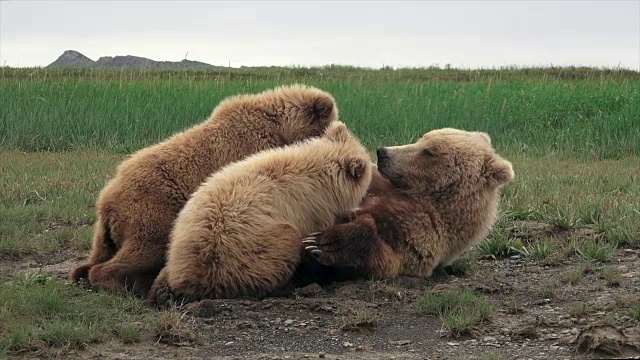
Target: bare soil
(535,317)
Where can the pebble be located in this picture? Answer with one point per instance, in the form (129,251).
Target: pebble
(229,343)
(564,323)
(582,321)
(574,331)
(288,322)
(321,355)
(489,338)
(453,344)
(347,344)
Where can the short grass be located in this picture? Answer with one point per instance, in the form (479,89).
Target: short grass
(360,318)
(38,313)
(47,200)
(459,310)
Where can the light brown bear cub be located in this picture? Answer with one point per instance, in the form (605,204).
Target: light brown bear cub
(239,235)
(427,203)
(136,209)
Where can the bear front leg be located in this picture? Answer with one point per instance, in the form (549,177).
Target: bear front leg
(354,245)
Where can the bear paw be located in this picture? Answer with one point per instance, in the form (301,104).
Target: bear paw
(311,244)
(164,297)
(322,248)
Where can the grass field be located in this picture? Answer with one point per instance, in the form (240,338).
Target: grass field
(573,136)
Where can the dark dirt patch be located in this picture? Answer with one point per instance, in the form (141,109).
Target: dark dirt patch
(536,317)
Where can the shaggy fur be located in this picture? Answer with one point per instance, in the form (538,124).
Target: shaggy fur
(239,234)
(136,209)
(427,203)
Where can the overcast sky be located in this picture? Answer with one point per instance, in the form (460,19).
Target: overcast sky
(366,33)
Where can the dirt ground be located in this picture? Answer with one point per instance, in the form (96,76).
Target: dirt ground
(535,318)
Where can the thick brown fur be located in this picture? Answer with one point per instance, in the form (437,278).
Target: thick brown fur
(427,203)
(136,209)
(239,234)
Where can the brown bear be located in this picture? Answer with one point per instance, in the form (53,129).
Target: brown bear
(136,209)
(239,234)
(427,203)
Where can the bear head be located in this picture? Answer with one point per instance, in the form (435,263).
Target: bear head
(305,111)
(446,163)
(351,167)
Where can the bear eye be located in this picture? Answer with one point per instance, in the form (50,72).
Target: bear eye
(428,153)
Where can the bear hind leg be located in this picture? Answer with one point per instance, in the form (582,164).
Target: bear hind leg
(132,270)
(102,250)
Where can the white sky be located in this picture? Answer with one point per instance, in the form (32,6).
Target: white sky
(366,33)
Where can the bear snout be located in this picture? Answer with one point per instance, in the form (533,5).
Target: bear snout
(381,153)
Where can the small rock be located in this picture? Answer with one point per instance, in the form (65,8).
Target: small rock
(554,348)
(564,323)
(288,322)
(400,342)
(453,344)
(582,321)
(321,355)
(506,331)
(347,344)
(229,343)
(310,290)
(489,339)
(359,348)
(515,257)
(574,331)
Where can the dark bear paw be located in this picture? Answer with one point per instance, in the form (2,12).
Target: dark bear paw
(163,297)
(322,248)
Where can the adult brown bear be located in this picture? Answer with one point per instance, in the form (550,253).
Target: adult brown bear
(427,203)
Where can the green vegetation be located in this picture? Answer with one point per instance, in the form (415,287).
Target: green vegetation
(579,310)
(572,134)
(38,312)
(527,111)
(459,310)
(541,249)
(360,318)
(591,250)
(498,245)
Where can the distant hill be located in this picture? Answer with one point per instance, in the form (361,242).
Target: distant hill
(72,58)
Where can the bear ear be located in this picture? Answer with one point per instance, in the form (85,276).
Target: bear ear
(355,168)
(337,132)
(499,171)
(320,107)
(484,136)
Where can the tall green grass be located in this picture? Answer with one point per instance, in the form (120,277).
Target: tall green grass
(122,111)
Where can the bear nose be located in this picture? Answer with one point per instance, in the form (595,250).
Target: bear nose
(382,153)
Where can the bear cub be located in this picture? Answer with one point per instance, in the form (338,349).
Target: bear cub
(239,234)
(136,209)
